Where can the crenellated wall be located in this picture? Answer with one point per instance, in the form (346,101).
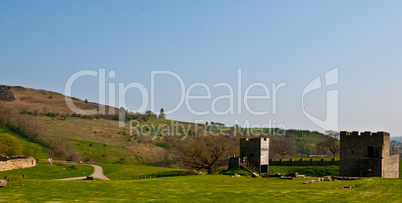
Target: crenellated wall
(367,154)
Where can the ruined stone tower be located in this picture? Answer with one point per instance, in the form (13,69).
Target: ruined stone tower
(256,151)
(254,155)
(367,155)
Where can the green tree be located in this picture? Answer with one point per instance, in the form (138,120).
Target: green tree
(31,149)
(150,114)
(10,144)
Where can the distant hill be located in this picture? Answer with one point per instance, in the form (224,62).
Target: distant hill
(35,101)
(397,138)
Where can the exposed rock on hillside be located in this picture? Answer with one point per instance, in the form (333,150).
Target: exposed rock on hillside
(5,94)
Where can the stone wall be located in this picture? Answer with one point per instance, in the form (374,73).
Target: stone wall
(356,160)
(11,163)
(234,162)
(301,162)
(256,150)
(392,169)
(367,154)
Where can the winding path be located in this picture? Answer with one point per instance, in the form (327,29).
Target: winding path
(97,174)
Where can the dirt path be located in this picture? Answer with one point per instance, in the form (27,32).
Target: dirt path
(97,174)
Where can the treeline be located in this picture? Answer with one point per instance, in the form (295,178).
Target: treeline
(24,124)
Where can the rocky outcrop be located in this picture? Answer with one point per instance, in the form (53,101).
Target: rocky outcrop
(5,94)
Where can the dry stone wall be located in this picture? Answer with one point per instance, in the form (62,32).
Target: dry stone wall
(11,163)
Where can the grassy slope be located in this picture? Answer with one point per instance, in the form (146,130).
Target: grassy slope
(44,101)
(100,132)
(217,188)
(45,171)
(41,154)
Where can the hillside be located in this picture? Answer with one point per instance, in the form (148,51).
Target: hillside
(397,138)
(40,151)
(35,101)
(43,117)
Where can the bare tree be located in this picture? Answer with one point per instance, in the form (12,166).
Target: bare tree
(208,152)
(321,148)
(282,145)
(330,142)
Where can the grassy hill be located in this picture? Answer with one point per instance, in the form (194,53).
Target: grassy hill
(397,138)
(98,138)
(37,102)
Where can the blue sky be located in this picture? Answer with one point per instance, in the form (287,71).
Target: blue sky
(43,43)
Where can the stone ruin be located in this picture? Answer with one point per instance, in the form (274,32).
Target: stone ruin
(16,162)
(254,156)
(367,154)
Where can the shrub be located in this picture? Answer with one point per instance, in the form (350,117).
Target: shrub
(10,145)
(51,115)
(31,149)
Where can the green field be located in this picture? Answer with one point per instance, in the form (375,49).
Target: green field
(216,188)
(126,172)
(38,186)
(45,171)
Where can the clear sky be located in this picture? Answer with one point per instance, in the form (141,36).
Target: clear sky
(43,43)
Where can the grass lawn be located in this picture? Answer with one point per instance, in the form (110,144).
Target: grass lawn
(314,171)
(216,188)
(47,171)
(126,172)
